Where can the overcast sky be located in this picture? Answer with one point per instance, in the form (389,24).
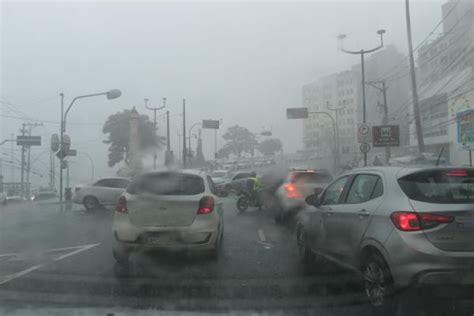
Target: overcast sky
(242,62)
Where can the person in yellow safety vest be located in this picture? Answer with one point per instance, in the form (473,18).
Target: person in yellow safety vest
(257,187)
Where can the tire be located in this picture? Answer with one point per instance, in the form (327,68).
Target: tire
(243,203)
(121,255)
(90,203)
(378,285)
(305,254)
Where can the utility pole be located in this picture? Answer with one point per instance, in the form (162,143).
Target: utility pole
(362,53)
(184,134)
(13,158)
(22,168)
(154,123)
(385,111)
(61,157)
(28,162)
(414,88)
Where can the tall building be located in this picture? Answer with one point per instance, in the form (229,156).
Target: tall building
(446,81)
(340,95)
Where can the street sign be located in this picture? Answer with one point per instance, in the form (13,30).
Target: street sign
(364,148)
(266,133)
(363,133)
(55,142)
(210,124)
(297,113)
(465,129)
(28,140)
(386,135)
(71,152)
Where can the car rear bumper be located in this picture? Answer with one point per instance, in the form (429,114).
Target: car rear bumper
(201,235)
(413,260)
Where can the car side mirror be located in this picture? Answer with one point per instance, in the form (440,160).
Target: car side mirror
(318,191)
(313,200)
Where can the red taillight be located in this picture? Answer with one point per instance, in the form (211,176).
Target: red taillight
(292,191)
(121,206)
(206,205)
(457,173)
(411,221)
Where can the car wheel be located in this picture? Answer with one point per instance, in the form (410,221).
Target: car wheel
(243,203)
(90,203)
(378,283)
(305,254)
(218,246)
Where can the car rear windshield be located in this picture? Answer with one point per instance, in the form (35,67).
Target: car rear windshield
(168,184)
(445,186)
(311,177)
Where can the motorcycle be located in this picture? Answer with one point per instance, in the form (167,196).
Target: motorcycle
(246,200)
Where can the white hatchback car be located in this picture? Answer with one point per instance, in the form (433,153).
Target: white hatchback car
(168,210)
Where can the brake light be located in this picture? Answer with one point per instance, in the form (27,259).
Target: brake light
(206,205)
(292,191)
(457,173)
(411,221)
(121,206)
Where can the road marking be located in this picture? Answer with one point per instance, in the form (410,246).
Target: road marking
(79,249)
(261,235)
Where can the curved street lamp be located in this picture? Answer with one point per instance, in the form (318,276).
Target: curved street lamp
(111,94)
(362,53)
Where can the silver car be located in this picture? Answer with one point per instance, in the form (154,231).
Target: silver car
(397,226)
(169,210)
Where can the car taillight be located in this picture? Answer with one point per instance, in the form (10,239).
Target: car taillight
(206,205)
(411,221)
(121,206)
(292,191)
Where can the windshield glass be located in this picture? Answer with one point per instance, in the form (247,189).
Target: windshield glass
(311,177)
(168,184)
(440,186)
(182,156)
(218,174)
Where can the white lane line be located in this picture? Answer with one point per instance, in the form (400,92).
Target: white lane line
(10,277)
(261,235)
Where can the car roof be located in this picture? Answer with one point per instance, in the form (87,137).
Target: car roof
(114,178)
(398,172)
(201,173)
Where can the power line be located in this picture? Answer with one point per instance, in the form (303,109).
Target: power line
(423,41)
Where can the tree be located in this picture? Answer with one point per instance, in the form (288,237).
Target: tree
(224,152)
(239,140)
(270,146)
(118,128)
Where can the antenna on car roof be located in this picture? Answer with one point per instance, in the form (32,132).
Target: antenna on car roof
(439,156)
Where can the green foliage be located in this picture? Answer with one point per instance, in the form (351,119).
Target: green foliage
(117,127)
(239,140)
(270,146)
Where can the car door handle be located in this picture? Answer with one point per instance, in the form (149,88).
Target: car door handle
(363,213)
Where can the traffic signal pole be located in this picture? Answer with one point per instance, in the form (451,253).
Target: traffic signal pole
(61,157)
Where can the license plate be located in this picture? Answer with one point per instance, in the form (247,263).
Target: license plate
(153,240)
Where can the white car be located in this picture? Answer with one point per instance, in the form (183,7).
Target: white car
(219,176)
(104,192)
(168,210)
(299,184)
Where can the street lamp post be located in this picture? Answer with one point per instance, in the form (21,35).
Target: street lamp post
(189,135)
(333,134)
(338,147)
(154,124)
(362,53)
(111,94)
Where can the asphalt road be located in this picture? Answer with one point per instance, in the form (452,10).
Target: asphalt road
(53,259)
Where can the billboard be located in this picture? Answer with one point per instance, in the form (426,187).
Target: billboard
(465,128)
(28,140)
(386,135)
(211,124)
(296,113)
